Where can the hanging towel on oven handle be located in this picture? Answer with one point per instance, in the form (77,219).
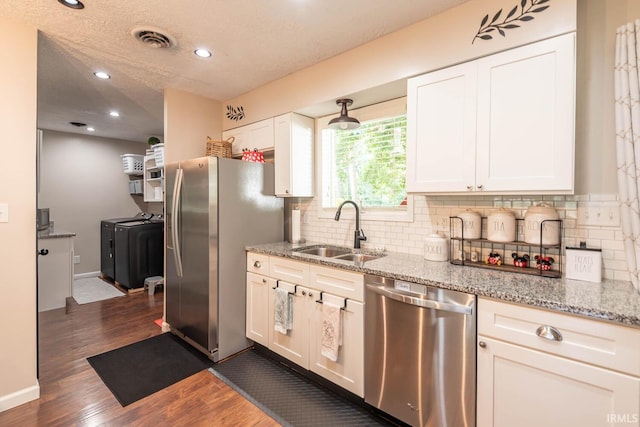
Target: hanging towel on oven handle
(283,308)
(331,331)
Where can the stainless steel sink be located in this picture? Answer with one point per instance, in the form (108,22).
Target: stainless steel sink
(357,258)
(325,251)
(338,253)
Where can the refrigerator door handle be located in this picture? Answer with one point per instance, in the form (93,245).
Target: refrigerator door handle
(177,193)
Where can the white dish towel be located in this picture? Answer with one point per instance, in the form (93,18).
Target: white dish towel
(283,311)
(331,331)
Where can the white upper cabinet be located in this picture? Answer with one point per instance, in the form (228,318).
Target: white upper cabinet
(500,124)
(255,135)
(293,155)
(441,130)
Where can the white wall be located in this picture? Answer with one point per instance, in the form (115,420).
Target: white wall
(595,124)
(433,43)
(188,120)
(18,382)
(82,182)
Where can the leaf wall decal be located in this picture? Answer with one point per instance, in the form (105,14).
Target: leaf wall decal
(235,114)
(508,23)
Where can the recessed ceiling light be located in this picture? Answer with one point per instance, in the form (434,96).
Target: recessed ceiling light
(90,129)
(114,114)
(102,75)
(202,53)
(73,4)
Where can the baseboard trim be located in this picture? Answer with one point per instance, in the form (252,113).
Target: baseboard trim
(86,275)
(19,397)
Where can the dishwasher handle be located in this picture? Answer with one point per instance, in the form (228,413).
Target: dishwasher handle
(420,302)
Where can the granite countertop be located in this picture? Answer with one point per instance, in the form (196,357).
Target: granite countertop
(54,234)
(610,300)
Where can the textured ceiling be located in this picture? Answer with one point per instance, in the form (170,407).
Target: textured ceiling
(254,42)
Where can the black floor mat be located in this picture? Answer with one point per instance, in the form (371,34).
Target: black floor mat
(287,396)
(143,368)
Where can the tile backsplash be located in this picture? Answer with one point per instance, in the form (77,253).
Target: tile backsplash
(431,214)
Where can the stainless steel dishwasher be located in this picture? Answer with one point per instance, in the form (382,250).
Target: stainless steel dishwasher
(420,353)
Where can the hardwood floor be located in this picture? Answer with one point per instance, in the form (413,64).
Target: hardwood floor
(72,394)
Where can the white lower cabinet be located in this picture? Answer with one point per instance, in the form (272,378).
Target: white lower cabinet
(294,345)
(257,308)
(55,272)
(302,344)
(348,370)
(537,368)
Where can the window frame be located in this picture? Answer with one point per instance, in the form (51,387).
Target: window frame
(390,108)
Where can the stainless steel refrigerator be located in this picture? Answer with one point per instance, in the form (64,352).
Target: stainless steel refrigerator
(215,207)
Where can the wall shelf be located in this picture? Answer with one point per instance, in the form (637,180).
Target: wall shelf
(477,252)
(153,180)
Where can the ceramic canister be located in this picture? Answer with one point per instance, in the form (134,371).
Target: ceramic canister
(436,247)
(471,224)
(501,225)
(533,225)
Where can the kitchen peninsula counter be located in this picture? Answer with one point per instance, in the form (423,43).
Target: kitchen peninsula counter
(610,300)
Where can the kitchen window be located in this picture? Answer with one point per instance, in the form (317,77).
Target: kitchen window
(367,164)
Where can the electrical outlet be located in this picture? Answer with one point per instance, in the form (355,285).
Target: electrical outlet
(599,214)
(76,259)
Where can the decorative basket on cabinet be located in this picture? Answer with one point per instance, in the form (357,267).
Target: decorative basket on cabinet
(217,148)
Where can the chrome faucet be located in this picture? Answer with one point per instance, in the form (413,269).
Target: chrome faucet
(359,233)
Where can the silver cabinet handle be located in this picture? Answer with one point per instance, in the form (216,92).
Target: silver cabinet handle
(264,280)
(549,333)
(310,295)
(480,187)
(482,344)
(304,293)
(257,264)
(469,187)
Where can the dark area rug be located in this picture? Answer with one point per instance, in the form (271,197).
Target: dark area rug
(143,368)
(288,397)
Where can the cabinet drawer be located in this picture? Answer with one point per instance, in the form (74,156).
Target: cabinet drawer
(292,271)
(342,283)
(258,263)
(598,343)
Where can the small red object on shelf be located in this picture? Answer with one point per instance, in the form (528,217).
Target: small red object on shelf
(544,262)
(252,156)
(520,261)
(494,259)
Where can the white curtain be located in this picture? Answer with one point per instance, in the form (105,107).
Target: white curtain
(627,104)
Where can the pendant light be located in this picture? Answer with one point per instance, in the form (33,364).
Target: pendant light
(344,122)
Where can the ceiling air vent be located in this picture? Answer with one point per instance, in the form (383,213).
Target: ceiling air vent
(153,37)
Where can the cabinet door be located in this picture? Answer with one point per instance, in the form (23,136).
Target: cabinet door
(526,116)
(526,388)
(441,128)
(293,155)
(294,345)
(240,140)
(348,370)
(55,273)
(255,135)
(257,314)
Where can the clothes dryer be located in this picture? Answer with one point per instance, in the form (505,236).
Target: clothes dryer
(139,252)
(107,242)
